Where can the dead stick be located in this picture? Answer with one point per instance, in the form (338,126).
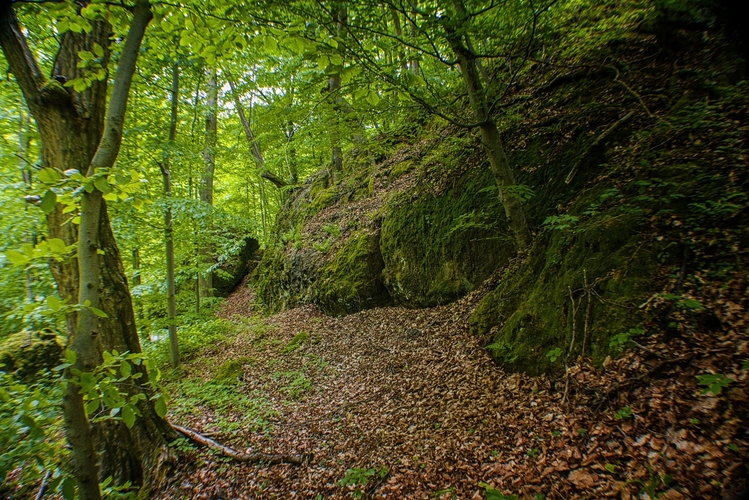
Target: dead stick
(604,135)
(252,458)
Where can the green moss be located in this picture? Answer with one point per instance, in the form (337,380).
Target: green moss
(530,312)
(436,249)
(27,353)
(352,281)
(299,339)
(402,168)
(232,369)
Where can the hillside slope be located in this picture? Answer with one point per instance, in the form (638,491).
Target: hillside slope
(631,151)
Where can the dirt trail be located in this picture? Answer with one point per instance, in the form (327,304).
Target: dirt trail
(410,392)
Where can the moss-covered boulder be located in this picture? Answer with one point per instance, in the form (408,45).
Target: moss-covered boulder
(352,281)
(438,247)
(27,353)
(599,262)
(231,271)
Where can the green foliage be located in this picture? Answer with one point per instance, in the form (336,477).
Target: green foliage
(356,479)
(31,437)
(623,413)
(232,369)
(492,493)
(554,354)
(561,222)
(103,389)
(623,340)
(714,383)
(294,344)
(294,382)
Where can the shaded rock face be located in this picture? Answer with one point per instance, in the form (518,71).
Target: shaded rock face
(395,233)
(230,273)
(27,353)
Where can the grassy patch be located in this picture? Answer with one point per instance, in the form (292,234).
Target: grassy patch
(236,410)
(299,339)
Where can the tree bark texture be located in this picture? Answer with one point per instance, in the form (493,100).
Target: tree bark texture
(71,126)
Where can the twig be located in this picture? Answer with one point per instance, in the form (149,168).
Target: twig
(43,487)
(239,456)
(572,344)
(599,140)
(587,311)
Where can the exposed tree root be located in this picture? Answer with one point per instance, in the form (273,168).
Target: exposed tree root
(266,458)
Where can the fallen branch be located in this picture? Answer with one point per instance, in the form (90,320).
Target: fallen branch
(253,458)
(599,140)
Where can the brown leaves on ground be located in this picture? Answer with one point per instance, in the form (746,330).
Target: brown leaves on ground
(412,391)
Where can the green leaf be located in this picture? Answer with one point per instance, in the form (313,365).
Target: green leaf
(126,369)
(49,175)
(128,416)
(16,258)
(336,59)
(102,185)
(98,312)
(98,50)
(70,356)
(373,98)
(91,406)
(56,245)
(68,488)
(160,406)
(323,62)
(49,200)
(54,303)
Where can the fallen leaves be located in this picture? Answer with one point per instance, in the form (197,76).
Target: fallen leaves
(412,391)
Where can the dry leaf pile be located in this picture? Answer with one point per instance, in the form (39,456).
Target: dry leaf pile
(410,391)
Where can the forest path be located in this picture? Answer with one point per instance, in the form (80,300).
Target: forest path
(411,394)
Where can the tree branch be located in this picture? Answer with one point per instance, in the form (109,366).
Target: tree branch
(109,146)
(239,456)
(20,58)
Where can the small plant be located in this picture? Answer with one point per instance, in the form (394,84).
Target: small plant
(323,247)
(554,354)
(447,491)
(610,468)
(502,350)
(358,478)
(582,432)
(533,452)
(624,413)
(494,494)
(556,433)
(332,229)
(561,222)
(297,383)
(624,340)
(520,191)
(299,339)
(495,453)
(714,383)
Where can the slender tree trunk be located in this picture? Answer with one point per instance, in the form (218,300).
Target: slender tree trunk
(206,185)
(399,33)
(490,139)
(334,88)
(293,165)
(71,126)
(413,63)
(168,229)
(136,267)
(252,140)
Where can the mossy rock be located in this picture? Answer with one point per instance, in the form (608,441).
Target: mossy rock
(530,312)
(232,369)
(230,272)
(352,281)
(27,353)
(438,248)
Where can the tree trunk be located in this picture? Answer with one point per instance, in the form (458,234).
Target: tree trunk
(71,126)
(334,88)
(490,139)
(205,254)
(168,229)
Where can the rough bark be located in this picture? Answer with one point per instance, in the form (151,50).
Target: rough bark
(71,126)
(490,138)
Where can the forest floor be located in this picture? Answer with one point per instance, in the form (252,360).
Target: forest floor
(399,403)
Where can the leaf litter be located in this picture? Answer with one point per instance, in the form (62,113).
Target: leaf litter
(412,393)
